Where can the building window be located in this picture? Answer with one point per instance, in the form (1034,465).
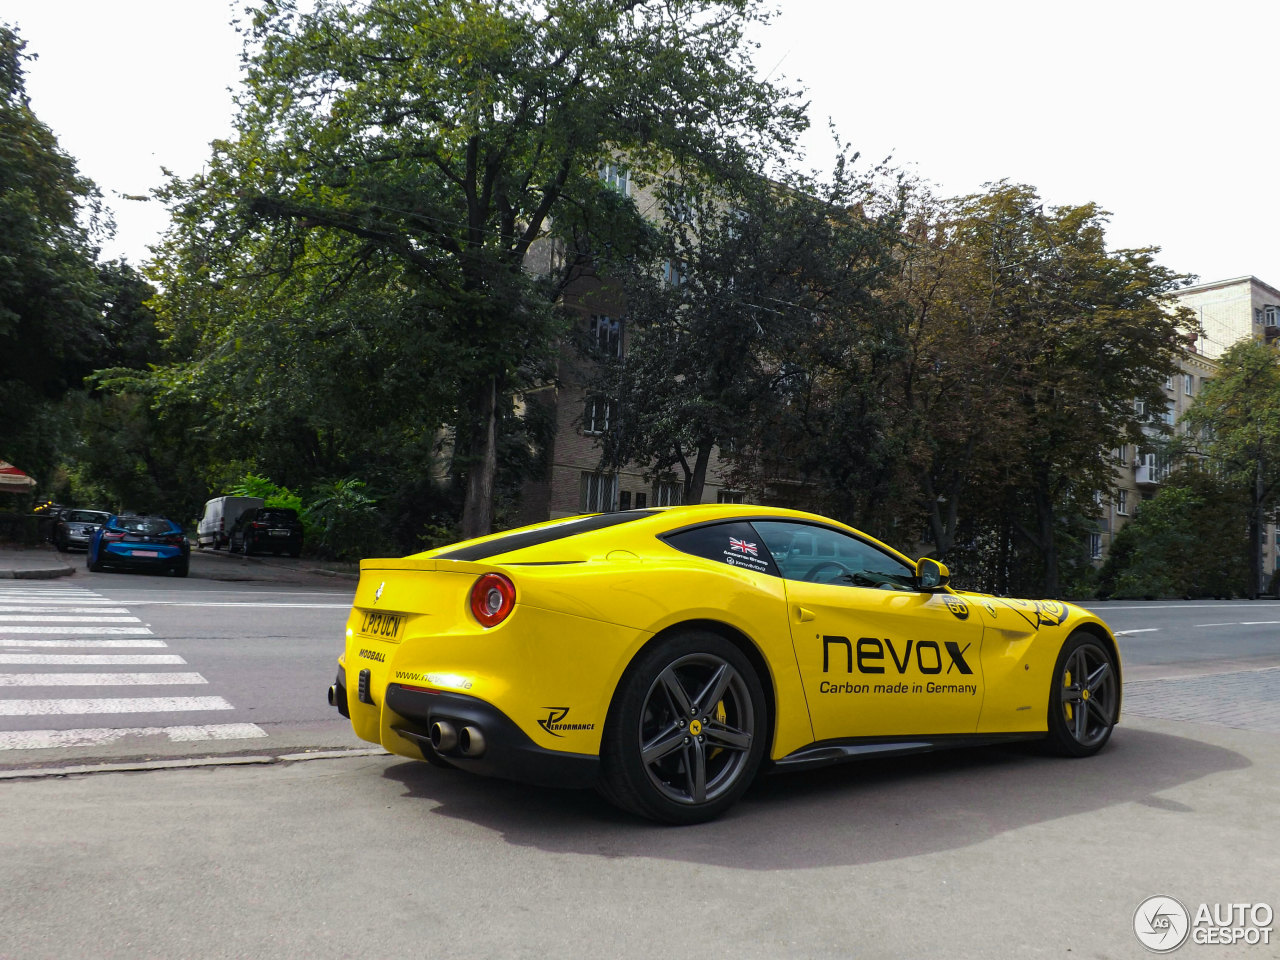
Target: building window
(1168,383)
(598,415)
(1188,384)
(1140,407)
(1095,546)
(616,176)
(624,500)
(729,496)
(1122,455)
(1271,316)
(641,500)
(598,492)
(673,272)
(667,493)
(606,335)
(1122,502)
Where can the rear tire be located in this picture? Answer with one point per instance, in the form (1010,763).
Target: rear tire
(1084,699)
(182,569)
(687,730)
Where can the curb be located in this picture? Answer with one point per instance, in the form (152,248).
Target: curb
(45,573)
(141,766)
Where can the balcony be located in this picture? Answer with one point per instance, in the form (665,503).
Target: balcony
(1149,474)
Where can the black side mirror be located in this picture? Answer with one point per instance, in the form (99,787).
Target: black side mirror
(930,574)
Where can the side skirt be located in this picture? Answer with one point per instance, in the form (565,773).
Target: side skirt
(827,752)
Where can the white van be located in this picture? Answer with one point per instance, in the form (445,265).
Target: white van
(219,514)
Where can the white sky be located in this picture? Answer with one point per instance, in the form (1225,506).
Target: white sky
(1164,113)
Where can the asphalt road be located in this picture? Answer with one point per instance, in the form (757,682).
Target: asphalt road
(115,665)
(975,853)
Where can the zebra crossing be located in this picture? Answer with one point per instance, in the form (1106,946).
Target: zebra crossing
(40,620)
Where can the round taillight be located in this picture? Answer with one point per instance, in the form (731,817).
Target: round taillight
(492,599)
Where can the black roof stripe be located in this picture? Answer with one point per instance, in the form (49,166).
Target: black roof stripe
(533,538)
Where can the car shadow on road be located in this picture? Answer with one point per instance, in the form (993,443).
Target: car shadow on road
(858,813)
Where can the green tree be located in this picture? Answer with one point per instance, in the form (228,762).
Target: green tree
(723,322)
(1235,423)
(427,148)
(1069,334)
(1186,541)
(49,213)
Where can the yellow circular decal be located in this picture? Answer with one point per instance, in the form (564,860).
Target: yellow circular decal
(695,727)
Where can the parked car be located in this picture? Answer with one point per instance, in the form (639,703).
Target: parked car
(149,543)
(267,530)
(74,528)
(666,656)
(220,515)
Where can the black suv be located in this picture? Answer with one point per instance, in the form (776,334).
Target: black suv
(267,530)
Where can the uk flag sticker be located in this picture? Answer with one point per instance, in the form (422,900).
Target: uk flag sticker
(741,546)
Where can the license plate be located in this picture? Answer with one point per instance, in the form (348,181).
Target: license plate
(146,553)
(382,626)
(279,533)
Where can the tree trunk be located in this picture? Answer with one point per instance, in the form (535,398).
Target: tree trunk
(1257,523)
(477,510)
(698,478)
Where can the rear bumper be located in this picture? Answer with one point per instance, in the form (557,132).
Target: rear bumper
(126,557)
(262,541)
(509,753)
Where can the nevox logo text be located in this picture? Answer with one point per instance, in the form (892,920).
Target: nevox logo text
(871,655)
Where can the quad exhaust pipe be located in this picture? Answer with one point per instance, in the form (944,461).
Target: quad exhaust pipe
(448,739)
(471,742)
(444,737)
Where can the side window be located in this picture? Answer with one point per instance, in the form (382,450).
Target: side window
(814,554)
(735,544)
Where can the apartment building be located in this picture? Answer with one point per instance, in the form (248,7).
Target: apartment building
(575,482)
(1231,310)
(1227,311)
(1142,469)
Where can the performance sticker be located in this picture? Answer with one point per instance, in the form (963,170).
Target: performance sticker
(743,554)
(554,722)
(956,606)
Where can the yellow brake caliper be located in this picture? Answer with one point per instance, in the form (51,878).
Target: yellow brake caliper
(721,716)
(1066,682)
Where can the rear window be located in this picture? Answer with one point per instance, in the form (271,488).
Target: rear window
(84,516)
(146,525)
(534,538)
(278,514)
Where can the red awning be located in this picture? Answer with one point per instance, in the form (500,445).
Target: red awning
(13,480)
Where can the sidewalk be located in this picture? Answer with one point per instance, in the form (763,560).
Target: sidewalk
(40,562)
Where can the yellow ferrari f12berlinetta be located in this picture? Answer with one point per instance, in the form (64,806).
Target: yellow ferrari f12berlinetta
(665,656)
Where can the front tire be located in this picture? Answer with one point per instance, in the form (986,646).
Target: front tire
(687,730)
(1084,700)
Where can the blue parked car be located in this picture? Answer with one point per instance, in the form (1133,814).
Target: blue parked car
(151,543)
